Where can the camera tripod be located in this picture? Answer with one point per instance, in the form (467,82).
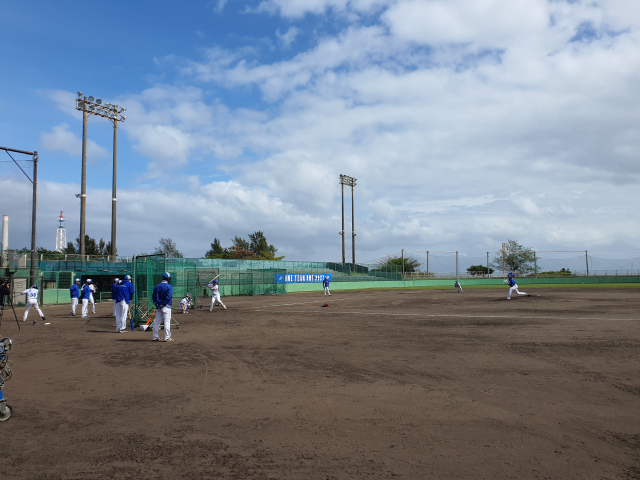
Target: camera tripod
(2,307)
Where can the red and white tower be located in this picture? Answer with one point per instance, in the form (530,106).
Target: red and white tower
(61,234)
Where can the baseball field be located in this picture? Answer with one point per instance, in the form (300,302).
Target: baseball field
(379,384)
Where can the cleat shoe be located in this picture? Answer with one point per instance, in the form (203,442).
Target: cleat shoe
(169,340)
(35,323)
(86,316)
(224,307)
(124,330)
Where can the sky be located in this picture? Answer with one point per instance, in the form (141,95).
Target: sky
(465,122)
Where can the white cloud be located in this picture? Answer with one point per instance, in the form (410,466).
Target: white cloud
(488,123)
(62,139)
(289,37)
(219,6)
(490,23)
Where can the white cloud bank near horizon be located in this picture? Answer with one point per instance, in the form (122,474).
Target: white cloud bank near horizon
(465,122)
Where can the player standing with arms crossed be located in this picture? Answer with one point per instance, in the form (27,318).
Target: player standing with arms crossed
(75,294)
(162,298)
(325,284)
(513,286)
(32,301)
(215,295)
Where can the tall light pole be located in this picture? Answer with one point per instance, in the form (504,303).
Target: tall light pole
(91,106)
(350,182)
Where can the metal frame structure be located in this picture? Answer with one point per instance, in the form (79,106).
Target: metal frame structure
(114,113)
(34,182)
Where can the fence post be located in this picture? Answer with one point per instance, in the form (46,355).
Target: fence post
(403,264)
(535,264)
(456,265)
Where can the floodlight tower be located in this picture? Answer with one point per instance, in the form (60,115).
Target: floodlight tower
(350,182)
(91,106)
(61,234)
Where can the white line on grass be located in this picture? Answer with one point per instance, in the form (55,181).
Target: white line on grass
(463,316)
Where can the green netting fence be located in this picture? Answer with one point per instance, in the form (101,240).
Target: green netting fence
(147,273)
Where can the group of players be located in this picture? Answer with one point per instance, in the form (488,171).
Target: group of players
(122,292)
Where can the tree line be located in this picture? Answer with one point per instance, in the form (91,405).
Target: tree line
(255,247)
(517,259)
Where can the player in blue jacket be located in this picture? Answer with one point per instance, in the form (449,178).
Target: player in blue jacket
(114,289)
(513,286)
(75,294)
(85,293)
(121,307)
(162,298)
(325,284)
(129,286)
(125,294)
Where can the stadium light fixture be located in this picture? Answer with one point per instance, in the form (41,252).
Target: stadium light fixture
(92,106)
(350,182)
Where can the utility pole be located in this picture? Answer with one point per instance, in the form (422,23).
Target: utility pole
(32,272)
(353,227)
(504,274)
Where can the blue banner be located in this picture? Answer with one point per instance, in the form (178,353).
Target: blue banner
(302,277)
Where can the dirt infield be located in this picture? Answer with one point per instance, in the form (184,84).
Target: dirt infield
(409,384)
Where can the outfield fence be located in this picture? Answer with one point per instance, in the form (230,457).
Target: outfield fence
(257,277)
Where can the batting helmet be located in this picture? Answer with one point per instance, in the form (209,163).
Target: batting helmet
(215,282)
(35,285)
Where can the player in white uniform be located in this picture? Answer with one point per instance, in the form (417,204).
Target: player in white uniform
(91,300)
(185,303)
(215,295)
(32,301)
(457,286)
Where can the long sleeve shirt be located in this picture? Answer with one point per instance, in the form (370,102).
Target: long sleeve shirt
(162,294)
